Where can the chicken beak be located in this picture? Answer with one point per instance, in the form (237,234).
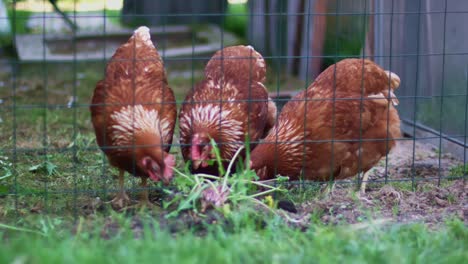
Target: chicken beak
(153,176)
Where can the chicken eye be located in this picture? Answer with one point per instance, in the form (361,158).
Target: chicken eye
(146,162)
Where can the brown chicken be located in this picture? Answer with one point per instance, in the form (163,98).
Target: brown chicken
(133,113)
(230,103)
(363,128)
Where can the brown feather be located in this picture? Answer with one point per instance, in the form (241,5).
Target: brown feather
(228,105)
(239,62)
(329,110)
(135,77)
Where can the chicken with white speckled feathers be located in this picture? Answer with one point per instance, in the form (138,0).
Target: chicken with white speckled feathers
(133,112)
(229,104)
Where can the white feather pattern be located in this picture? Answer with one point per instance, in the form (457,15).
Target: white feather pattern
(291,139)
(134,119)
(210,115)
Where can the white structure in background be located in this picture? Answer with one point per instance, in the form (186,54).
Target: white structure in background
(53,23)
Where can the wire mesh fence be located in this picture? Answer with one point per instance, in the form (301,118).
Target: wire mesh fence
(52,61)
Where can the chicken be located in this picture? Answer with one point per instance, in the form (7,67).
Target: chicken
(363,128)
(133,112)
(230,103)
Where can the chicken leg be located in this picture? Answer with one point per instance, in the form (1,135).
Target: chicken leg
(122,199)
(365,178)
(144,197)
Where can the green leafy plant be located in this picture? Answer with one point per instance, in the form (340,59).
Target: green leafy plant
(229,189)
(48,168)
(6,171)
(82,143)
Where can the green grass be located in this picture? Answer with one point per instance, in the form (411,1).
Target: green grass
(460,170)
(362,243)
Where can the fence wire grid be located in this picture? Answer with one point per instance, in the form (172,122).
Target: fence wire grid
(51,62)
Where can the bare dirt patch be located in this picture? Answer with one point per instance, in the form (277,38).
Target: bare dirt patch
(430,204)
(413,159)
(409,186)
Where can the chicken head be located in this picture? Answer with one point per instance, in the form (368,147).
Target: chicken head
(201,150)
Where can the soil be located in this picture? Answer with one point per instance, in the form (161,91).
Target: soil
(403,199)
(429,204)
(413,192)
(415,159)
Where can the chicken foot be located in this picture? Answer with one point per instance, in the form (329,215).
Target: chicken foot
(122,199)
